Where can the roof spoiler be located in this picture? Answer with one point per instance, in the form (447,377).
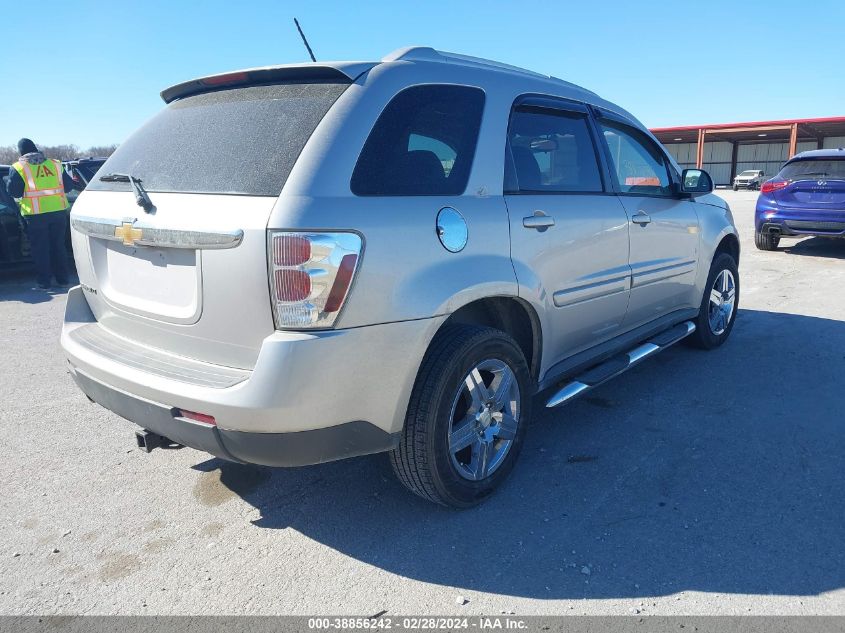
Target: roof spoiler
(344,72)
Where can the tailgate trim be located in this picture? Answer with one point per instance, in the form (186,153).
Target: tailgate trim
(125,231)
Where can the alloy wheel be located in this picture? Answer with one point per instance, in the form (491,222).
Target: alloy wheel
(484,419)
(722,302)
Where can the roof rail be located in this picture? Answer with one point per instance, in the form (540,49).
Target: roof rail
(428,54)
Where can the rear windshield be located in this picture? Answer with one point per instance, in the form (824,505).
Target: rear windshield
(241,141)
(814,168)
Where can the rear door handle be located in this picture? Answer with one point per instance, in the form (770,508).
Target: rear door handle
(641,217)
(539,221)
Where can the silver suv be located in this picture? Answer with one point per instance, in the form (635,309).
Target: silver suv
(749,179)
(297,264)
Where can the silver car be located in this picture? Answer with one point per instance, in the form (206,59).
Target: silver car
(749,179)
(297,264)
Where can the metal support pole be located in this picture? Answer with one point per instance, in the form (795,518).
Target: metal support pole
(734,156)
(699,152)
(793,140)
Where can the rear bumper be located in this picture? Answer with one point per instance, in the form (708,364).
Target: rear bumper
(270,449)
(799,223)
(310,397)
(801,228)
(768,216)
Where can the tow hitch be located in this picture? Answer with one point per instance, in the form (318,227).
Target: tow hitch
(147,440)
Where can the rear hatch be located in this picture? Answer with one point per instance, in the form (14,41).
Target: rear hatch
(812,184)
(190,277)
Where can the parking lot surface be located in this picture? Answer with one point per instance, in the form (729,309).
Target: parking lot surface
(697,483)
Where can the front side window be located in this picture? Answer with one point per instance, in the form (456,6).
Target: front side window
(551,151)
(422,144)
(638,163)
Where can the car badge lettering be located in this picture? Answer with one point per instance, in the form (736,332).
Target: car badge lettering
(128,234)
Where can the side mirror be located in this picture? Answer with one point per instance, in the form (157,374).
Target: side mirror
(696,182)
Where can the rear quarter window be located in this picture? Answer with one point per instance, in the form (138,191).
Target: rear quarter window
(240,141)
(422,144)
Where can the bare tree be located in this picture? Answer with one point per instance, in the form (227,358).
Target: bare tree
(100,151)
(9,153)
(62,152)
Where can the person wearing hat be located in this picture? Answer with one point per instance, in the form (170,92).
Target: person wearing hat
(41,184)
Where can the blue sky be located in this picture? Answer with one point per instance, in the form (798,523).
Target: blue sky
(89,73)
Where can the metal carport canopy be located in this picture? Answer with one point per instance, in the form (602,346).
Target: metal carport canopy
(791,130)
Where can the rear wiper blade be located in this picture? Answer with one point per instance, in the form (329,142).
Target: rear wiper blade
(142,198)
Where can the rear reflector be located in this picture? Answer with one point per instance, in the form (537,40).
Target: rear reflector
(341,283)
(197,417)
(773,185)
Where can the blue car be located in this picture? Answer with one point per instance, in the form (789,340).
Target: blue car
(807,197)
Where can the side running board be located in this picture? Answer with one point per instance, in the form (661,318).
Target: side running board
(611,368)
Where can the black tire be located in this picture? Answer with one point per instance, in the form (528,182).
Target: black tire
(422,461)
(766,241)
(704,336)
(736,188)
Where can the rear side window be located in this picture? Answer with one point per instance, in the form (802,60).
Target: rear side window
(241,141)
(639,165)
(814,168)
(551,152)
(422,144)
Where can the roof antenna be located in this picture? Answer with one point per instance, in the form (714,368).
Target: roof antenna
(304,41)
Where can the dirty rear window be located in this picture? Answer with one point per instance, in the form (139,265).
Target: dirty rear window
(814,168)
(241,141)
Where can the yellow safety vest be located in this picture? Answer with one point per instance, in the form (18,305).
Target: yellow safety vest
(44,191)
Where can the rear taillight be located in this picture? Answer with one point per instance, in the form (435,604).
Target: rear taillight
(773,185)
(310,276)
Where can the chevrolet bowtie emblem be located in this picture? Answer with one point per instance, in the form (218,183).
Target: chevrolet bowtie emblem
(128,233)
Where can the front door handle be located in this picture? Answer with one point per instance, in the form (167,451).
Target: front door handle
(539,221)
(641,217)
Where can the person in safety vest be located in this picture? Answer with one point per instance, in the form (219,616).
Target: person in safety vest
(41,183)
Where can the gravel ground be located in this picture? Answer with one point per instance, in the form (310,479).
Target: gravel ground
(698,483)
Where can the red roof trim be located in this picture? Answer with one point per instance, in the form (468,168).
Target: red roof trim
(694,128)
